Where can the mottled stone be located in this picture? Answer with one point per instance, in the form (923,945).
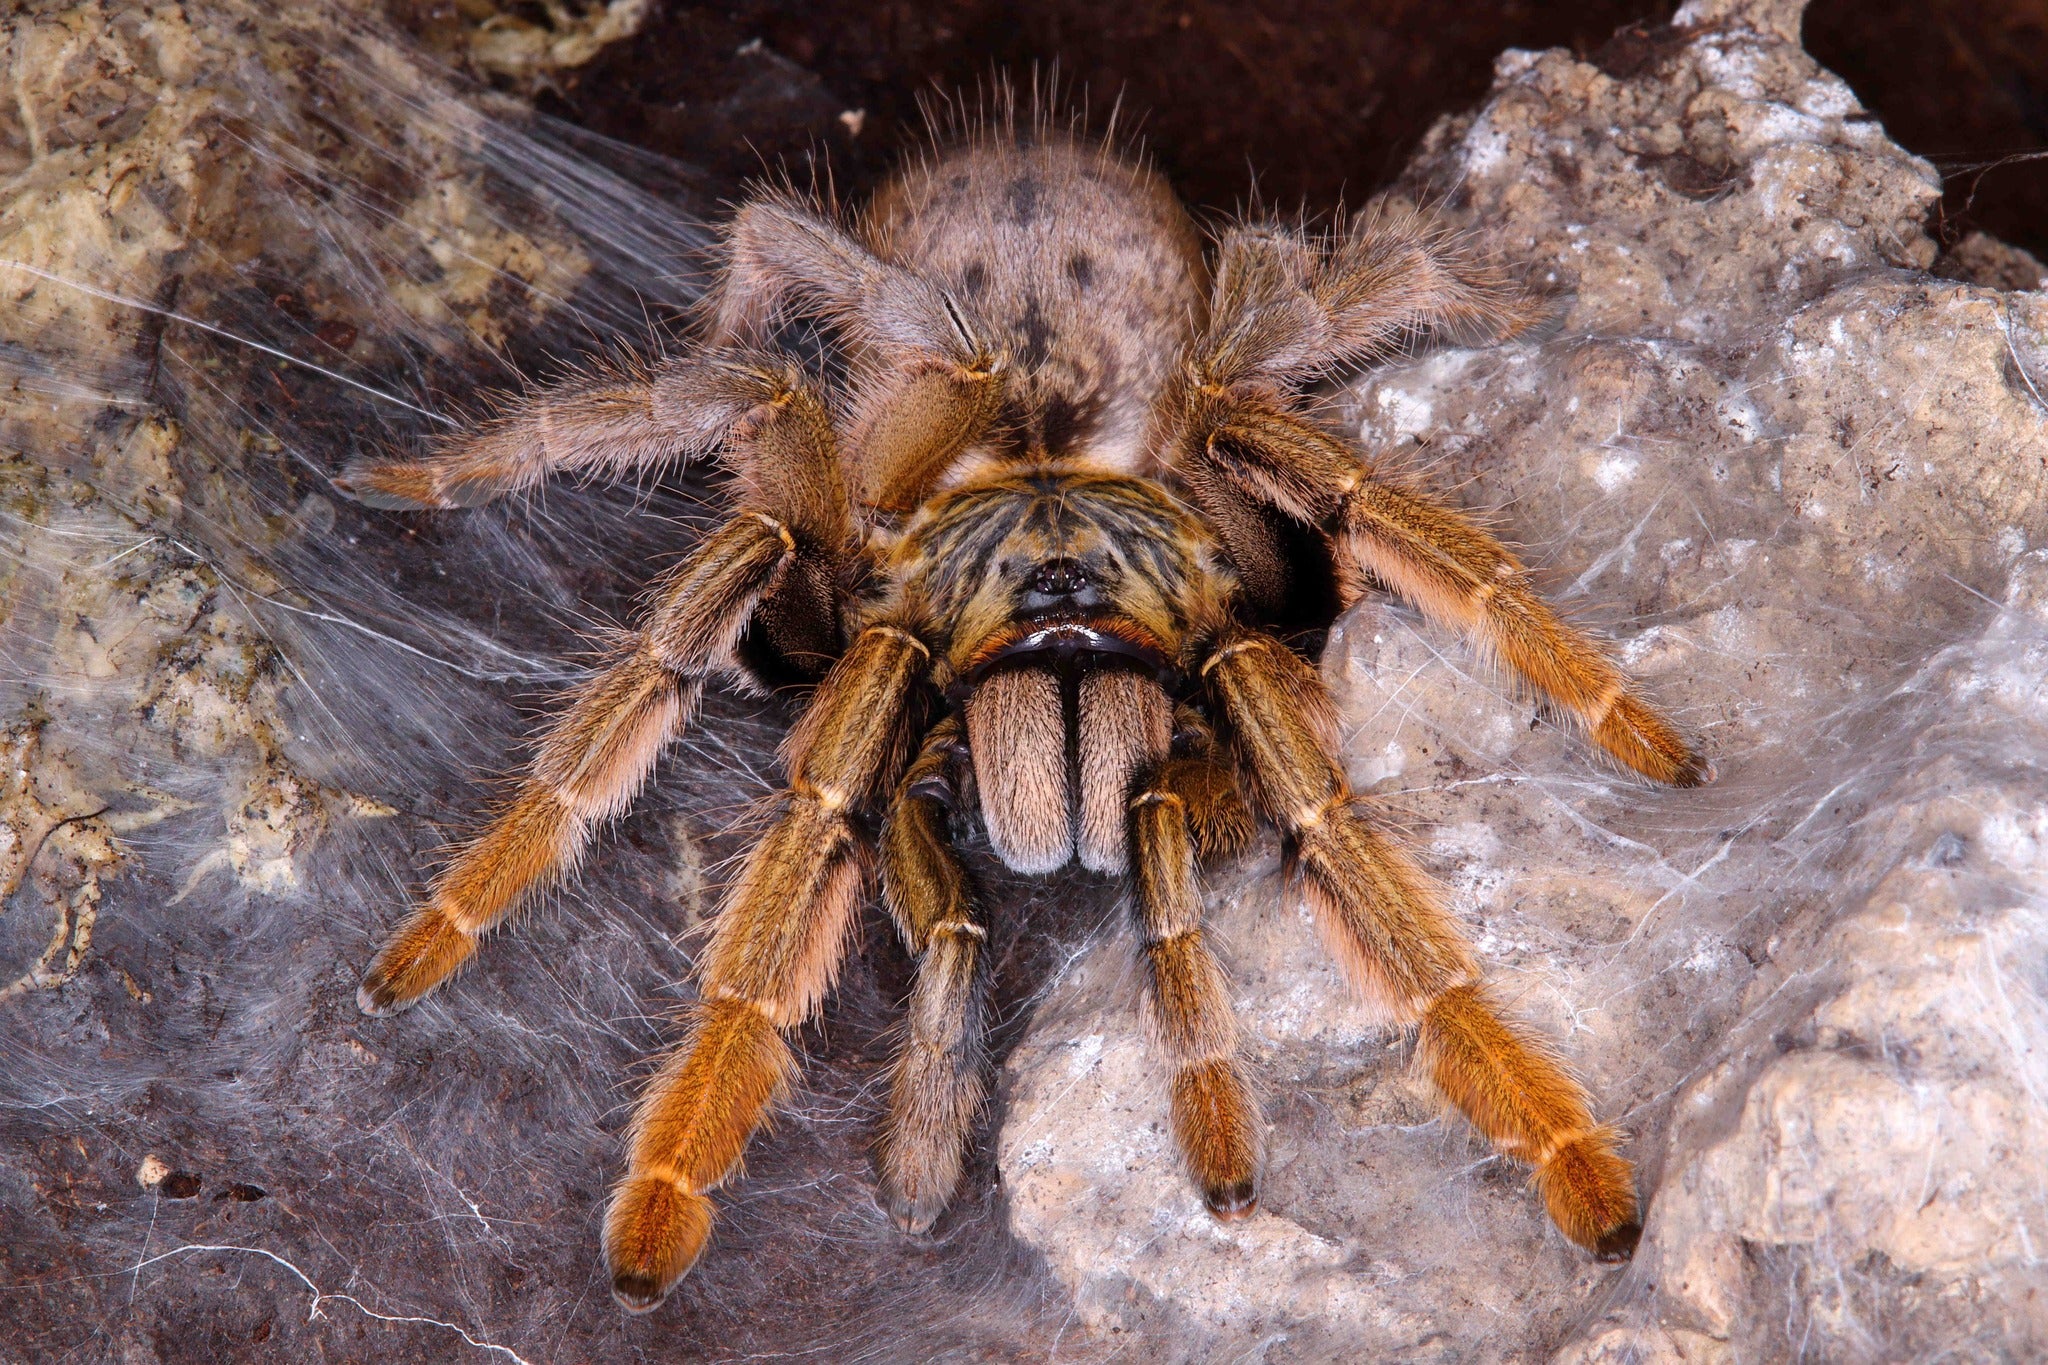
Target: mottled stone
(1802,484)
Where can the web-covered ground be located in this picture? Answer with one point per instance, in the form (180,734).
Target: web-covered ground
(1797,477)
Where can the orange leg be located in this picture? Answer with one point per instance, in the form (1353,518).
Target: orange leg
(939,384)
(603,419)
(773,956)
(1215,1120)
(619,417)
(1438,559)
(1204,777)
(1385,922)
(591,762)
(937,1086)
(793,534)
(1290,306)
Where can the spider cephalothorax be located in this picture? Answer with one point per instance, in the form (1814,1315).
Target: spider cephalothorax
(1029,553)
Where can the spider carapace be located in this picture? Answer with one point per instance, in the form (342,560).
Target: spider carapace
(1030,546)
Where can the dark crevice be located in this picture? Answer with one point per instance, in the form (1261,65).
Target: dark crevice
(1315,101)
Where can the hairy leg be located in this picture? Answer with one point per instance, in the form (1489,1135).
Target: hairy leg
(1455,572)
(599,752)
(913,423)
(1384,920)
(1134,798)
(591,762)
(773,955)
(1215,1120)
(1202,774)
(613,417)
(937,1085)
(931,385)
(1289,306)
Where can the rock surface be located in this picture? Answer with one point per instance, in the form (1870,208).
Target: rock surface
(1799,479)
(1804,487)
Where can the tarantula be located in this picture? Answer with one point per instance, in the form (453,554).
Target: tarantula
(1029,552)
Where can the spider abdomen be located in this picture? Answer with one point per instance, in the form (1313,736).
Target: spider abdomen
(1081,263)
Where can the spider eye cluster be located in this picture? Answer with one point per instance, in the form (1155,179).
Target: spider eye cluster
(1061,584)
(1060,577)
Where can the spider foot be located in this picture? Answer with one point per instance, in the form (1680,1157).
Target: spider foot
(652,1236)
(1590,1191)
(421,955)
(1620,1243)
(1233,1202)
(913,1213)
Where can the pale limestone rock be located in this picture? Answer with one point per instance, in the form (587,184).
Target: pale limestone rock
(1803,485)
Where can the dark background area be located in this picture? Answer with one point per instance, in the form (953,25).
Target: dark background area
(1321,100)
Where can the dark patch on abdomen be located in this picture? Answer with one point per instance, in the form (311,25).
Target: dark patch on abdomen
(1034,332)
(974,279)
(1081,270)
(1064,422)
(1024,196)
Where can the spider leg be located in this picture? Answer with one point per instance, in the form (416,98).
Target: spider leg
(937,1084)
(1134,799)
(1384,920)
(934,384)
(614,417)
(1216,1122)
(773,955)
(912,424)
(591,762)
(600,751)
(1455,572)
(1289,307)
(1202,775)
